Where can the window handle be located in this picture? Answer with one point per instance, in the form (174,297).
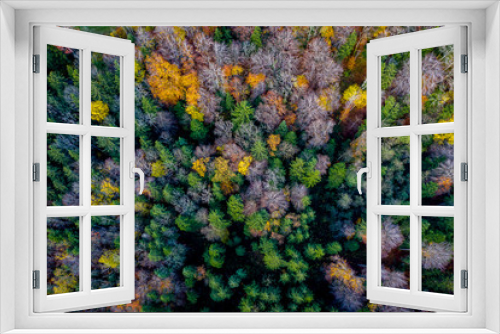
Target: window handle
(133,170)
(368,171)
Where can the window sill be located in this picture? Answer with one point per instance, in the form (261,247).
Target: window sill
(250,331)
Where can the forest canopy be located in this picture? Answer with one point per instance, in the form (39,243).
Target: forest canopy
(250,139)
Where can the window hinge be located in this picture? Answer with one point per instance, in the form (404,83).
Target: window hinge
(36,63)
(465,64)
(36,279)
(465,279)
(464,171)
(36,172)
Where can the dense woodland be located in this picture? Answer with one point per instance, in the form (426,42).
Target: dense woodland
(250,139)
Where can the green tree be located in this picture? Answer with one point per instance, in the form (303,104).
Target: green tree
(187,224)
(228,102)
(241,114)
(291,137)
(271,257)
(336,175)
(240,250)
(252,290)
(193,180)
(314,251)
(305,172)
(189,273)
(198,130)
(170,193)
(216,219)
(351,245)
(297,168)
(282,129)
(166,156)
(429,189)
(256,38)
(149,106)
(389,71)
(333,248)
(392,111)
(215,255)
(218,35)
(257,220)
(272,260)
(192,296)
(259,150)
(218,290)
(346,49)
(218,194)
(235,208)
(311,178)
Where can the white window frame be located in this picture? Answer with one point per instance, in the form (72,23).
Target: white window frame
(85,297)
(482,315)
(414,296)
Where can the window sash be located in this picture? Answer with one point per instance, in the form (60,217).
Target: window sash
(86,297)
(414,298)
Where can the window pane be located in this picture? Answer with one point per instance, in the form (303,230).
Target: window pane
(105,89)
(105,171)
(105,252)
(395,86)
(437,84)
(395,238)
(437,254)
(63,260)
(63,170)
(63,92)
(437,169)
(395,171)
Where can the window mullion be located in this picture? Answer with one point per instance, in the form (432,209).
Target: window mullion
(422,129)
(86,230)
(86,157)
(66,129)
(422,210)
(432,129)
(109,210)
(81,230)
(106,131)
(414,171)
(85,275)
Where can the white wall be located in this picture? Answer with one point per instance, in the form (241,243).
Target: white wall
(492,166)
(7,160)
(482,107)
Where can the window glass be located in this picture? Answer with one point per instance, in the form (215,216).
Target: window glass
(105,171)
(438,169)
(63,170)
(395,252)
(437,254)
(105,252)
(437,84)
(63,85)
(395,170)
(395,85)
(105,88)
(63,255)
